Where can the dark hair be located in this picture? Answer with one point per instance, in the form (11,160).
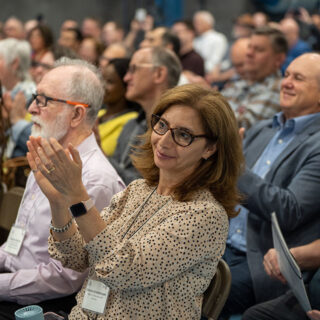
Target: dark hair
(77,32)
(46,34)
(188,23)
(278,40)
(220,172)
(170,38)
(121,66)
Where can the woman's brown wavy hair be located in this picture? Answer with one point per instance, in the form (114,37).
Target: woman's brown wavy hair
(220,172)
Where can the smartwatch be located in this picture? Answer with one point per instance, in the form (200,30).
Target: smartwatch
(81,208)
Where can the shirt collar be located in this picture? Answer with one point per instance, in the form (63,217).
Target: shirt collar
(295,124)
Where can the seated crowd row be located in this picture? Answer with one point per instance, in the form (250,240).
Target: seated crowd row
(157,243)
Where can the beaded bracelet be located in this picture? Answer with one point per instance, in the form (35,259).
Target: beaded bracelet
(62,229)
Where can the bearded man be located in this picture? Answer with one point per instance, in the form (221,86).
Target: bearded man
(64,107)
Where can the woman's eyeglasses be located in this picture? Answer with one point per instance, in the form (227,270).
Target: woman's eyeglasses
(181,137)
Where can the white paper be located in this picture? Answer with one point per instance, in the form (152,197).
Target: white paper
(15,240)
(95,296)
(288,266)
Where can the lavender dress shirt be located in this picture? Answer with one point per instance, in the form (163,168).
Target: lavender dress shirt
(33,276)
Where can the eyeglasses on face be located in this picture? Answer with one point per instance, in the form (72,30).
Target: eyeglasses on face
(134,67)
(181,137)
(42,100)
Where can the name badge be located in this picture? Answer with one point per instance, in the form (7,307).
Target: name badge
(96,296)
(15,240)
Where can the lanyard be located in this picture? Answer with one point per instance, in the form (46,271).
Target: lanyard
(139,210)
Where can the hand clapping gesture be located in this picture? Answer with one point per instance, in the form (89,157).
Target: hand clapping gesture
(57,170)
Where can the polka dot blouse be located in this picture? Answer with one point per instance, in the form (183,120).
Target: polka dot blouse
(156,256)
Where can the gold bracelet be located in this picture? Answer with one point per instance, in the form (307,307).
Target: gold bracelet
(62,229)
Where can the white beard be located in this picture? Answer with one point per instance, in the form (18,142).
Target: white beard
(56,129)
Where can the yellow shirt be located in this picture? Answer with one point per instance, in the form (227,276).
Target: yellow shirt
(110,130)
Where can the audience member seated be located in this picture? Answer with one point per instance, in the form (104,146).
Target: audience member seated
(112,32)
(238,56)
(90,50)
(17,107)
(287,307)
(257,97)
(117,110)
(113,51)
(290,28)
(15,63)
(308,29)
(260,19)
(153,38)
(91,27)
(224,71)
(41,41)
(70,38)
(243,26)
(69,24)
(13,28)
(210,44)
(282,175)
(65,107)
(151,72)
(164,38)
(155,249)
(15,58)
(189,58)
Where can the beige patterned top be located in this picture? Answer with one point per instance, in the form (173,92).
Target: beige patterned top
(157,265)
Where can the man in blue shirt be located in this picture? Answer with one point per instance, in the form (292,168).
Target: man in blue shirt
(282,175)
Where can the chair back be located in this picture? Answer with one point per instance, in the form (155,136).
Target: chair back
(217,292)
(9,207)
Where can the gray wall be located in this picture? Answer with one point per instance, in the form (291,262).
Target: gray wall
(56,11)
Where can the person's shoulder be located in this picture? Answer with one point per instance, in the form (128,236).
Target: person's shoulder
(258,126)
(139,185)
(97,167)
(203,202)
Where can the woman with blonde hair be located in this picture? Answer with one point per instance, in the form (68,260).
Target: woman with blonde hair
(153,252)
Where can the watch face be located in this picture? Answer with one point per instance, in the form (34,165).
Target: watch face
(78,209)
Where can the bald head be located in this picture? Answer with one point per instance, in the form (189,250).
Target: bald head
(13,28)
(238,55)
(312,64)
(300,94)
(290,28)
(113,51)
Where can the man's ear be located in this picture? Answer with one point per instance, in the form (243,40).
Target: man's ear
(79,113)
(15,64)
(160,74)
(209,151)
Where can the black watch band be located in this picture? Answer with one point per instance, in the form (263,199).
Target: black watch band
(81,208)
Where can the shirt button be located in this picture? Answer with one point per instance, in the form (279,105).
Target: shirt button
(238,230)
(33,196)
(268,162)
(280,141)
